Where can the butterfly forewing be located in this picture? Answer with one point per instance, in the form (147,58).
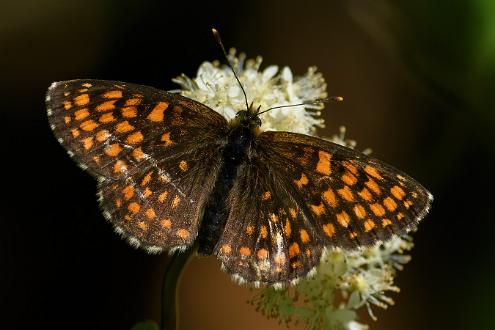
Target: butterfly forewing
(156,154)
(354,200)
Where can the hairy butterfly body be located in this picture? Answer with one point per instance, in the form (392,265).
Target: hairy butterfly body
(172,172)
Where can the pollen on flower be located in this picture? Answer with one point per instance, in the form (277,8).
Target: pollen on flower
(216,86)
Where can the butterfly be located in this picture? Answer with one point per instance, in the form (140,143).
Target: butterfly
(173,173)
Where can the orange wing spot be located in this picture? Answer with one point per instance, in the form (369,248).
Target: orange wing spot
(266,196)
(249,230)
(390,204)
(377,209)
(118,202)
(81,100)
(414,194)
(138,154)
(351,168)
(166,138)
(373,186)
(343,219)
(113,150)
(87,85)
(302,181)
(119,166)
(156,114)
(366,195)
(135,138)
(106,106)
(134,207)
(346,193)
(96,159)
(183,165)
(66,93)
(279,259)
(400,216)
(373,172)
(182,233)
(177,110)
(67,105)
(163,196)
(150,213)
(175,202)
(304,236)
(128,192)
(146,179)
(147,192)
(323,165)
(408,204)
(318,209)
(386,222)
(142,225)
(329,197)
(296,264)
(273,217)
(102,135)
(293,213)
(349,178)
(129,112)
(112,94)
(67,119)
(294,250)
(245,251)
(368,225)
(106,118)
(359,211)
(287,228)
(133,101)
(89,125)
(262,254)
(263,231)
(166,223)
(225,249)
(87,143)
(397,192)
(75,132)
(81,114)
(123,127)
(353,235)
(329,229)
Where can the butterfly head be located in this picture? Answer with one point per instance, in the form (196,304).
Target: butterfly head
(248,118)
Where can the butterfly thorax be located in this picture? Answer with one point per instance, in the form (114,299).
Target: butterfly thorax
(238,150)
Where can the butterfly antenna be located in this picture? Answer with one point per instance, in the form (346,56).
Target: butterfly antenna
(314,102)
(220,43)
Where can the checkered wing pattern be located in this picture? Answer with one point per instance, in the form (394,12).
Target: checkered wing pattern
(299,194)
(148,149)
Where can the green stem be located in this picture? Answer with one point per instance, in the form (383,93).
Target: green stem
(170,288)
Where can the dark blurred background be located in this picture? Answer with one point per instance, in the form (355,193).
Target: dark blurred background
(418,78)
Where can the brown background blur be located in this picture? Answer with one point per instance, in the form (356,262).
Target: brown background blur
(411,94)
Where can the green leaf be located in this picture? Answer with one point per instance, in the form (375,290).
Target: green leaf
(146,325)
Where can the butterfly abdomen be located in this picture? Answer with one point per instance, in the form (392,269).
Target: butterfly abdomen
(217,208)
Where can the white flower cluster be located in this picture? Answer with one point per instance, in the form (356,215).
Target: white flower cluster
(216,87)
(362,277)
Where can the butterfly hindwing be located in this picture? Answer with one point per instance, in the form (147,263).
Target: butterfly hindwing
(266,238)
(156,155)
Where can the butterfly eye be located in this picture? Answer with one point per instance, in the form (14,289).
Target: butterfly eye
(257,121)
